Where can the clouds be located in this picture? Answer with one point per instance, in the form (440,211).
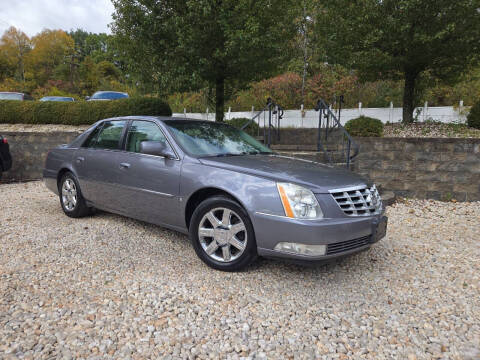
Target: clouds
(32,16)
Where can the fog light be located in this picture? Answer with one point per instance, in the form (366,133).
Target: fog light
(296,248)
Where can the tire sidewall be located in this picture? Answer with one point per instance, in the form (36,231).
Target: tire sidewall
(250,253)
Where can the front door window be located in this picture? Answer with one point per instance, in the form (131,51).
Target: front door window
(143,131)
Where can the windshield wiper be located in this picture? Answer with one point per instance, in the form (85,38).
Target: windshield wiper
(260,153)
(231,154)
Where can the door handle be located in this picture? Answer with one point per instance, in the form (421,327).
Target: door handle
(124,165)
(80,159)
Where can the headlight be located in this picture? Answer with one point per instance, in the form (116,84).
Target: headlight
(299,202)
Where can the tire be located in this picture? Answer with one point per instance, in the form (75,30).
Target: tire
(217,238)
(71,199)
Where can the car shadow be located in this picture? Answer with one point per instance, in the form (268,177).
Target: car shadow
(362,261)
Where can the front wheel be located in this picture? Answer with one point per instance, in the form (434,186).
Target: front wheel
(222,234)
(71,199)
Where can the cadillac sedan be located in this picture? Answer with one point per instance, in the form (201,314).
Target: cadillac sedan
(234,197)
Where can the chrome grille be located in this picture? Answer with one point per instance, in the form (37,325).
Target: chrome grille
(358,201)
(347,245)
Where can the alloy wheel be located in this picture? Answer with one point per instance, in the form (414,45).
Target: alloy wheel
(222,234)
(69,194)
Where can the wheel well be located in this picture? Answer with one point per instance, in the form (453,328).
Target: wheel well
(197,197)
(60,174)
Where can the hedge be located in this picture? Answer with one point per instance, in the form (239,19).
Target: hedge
(78,112)
(365,126)
(473,118)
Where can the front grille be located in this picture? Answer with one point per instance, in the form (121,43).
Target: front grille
(359,201)
(347,245)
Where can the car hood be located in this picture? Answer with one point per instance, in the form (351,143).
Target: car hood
(320,178)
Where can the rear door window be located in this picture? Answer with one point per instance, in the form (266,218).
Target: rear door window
(107,136)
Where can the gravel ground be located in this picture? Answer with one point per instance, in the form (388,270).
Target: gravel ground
(430,130)
(41,128)
(110,287)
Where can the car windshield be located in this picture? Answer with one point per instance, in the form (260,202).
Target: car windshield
(11,96)
(56,98)
(109,95)
(205,138)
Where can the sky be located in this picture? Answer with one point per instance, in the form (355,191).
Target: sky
(32,16)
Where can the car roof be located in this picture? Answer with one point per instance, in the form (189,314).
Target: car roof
(110,92)
(57,97)
(164,119)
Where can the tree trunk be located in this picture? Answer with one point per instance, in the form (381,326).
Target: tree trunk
(219,98)
(409,97)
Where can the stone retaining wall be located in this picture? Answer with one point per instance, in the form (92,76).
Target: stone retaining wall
(413,167)
(441,169)
(431,168)
(29,151)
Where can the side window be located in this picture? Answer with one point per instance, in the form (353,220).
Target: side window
(92,137)
(143,131)
(109,136)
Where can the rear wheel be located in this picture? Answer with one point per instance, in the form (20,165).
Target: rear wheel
(222,234)
(71,199)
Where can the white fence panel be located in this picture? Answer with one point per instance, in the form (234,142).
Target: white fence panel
(293,118)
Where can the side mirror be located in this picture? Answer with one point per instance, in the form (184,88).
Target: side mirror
(87,97)
(157,148)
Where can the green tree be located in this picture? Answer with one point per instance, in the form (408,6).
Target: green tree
(402,39)
(14,48)
(51,48)
(187,45)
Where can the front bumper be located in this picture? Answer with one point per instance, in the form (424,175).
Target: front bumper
(343,236)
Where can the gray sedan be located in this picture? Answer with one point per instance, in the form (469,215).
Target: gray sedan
(235,198)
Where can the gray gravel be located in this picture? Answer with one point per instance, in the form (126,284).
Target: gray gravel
(110,287)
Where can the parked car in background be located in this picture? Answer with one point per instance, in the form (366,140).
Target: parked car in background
(232,195)
(5,157)
(14,96)
(107,95)
(57,98)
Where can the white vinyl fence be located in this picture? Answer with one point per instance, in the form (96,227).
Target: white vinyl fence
(294,118)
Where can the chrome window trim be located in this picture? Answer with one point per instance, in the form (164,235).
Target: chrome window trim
(177,157)
(101,125)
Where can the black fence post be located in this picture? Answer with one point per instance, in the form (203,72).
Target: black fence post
(319,108)
(340,107)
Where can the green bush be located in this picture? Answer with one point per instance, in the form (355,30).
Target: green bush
(78,112)
(473,118)
(365,127)
(251,129)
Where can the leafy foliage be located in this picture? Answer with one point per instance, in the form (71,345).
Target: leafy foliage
(188,45)
(365,126)
(78,63)
(473,119)
(78,113)
(14,48)
(402,39)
